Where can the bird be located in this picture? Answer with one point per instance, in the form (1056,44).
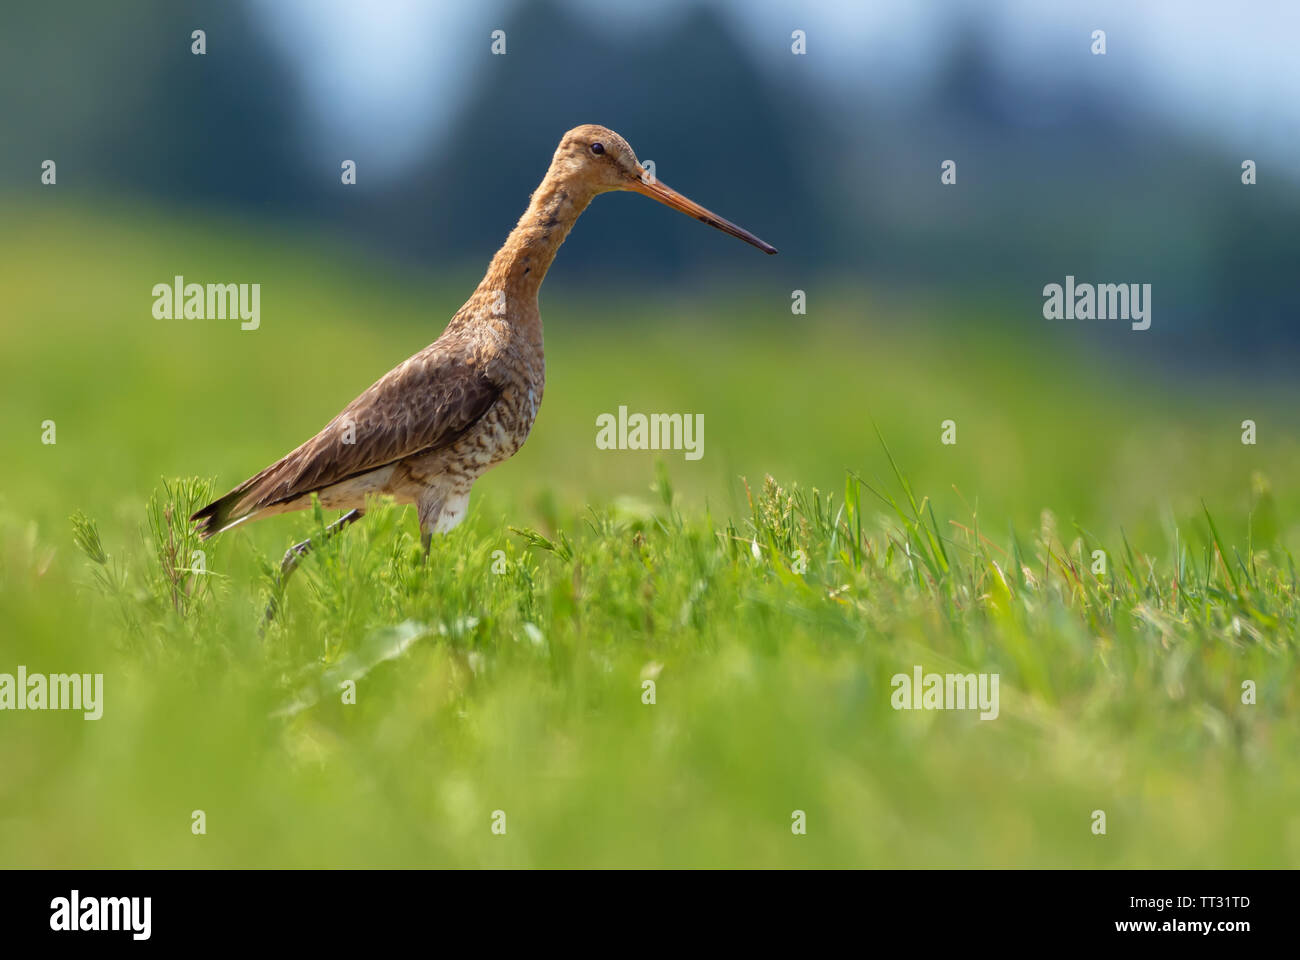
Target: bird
(425,431)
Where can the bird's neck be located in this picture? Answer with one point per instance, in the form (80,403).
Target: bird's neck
(520,265)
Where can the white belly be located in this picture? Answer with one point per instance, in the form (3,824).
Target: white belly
(453,512)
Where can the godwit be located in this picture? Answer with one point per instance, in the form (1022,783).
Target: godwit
(427,429)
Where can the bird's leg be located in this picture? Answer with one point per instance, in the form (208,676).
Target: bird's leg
(295,553)
(428,509)
(298,550)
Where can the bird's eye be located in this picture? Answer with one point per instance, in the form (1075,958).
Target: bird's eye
(598,148)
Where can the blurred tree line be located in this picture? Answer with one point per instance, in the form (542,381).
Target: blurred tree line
(1050,180)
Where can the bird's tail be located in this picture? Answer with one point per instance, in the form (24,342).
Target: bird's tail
(221,514)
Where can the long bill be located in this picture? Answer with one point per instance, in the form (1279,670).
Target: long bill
(670,197)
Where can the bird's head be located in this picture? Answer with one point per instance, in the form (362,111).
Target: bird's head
(600,160)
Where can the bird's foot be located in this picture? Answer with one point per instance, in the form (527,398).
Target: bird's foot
(294,555)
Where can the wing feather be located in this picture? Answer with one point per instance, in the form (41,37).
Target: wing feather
(426,403)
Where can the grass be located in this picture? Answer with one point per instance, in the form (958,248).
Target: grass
(509,672)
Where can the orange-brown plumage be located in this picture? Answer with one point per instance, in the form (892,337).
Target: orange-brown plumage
(427,429)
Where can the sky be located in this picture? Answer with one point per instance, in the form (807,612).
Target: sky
(394,71)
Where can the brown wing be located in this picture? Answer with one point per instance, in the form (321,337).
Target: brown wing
(427,402)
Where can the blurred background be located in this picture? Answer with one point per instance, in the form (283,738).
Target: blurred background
(924,304)
(924,301)
(1115,168)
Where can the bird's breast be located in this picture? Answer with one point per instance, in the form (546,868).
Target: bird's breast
(505,427)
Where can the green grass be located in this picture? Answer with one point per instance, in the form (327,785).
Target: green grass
(507,672)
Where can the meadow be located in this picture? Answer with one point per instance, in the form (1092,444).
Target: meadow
(825,542)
